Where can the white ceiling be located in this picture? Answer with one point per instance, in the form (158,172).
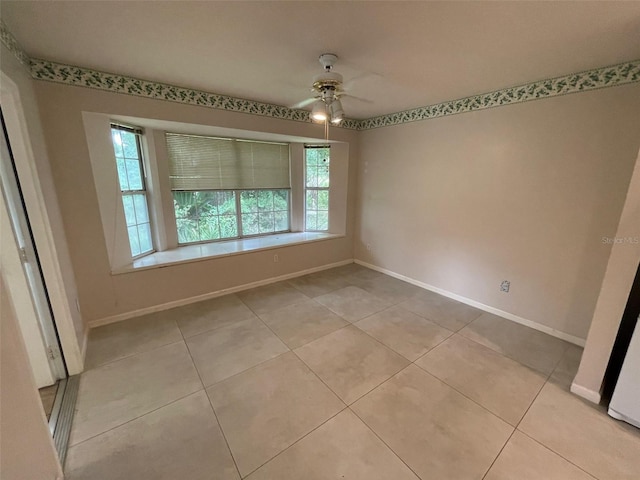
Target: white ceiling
(401,54)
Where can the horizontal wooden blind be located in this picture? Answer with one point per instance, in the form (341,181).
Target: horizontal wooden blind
(210,163)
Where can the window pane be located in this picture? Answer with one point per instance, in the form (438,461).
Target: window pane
(140,204)
(226,203)
(323,174)
(208,228)
(322,220)
(187,230)
(134,174)
(122,174)
(117,143)
(310,220)
(129,144)
(184,204)
(129,210)
(144,235)
(206,203)
(265,222)
(249,201)
(323,199)
(281,220)
(134,241)
(312,199)
(281,200)
(265,200)
(250,224)
(312,177)
(228,226)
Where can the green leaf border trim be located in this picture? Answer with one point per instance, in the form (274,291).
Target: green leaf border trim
(621,74)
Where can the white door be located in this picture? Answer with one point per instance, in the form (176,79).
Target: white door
(21,268)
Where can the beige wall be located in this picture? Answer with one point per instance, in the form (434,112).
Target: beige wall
(26,448)
(32,161)
(522,193)
(104,295)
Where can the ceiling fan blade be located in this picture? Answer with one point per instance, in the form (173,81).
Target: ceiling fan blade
(303,103)
(358,78)
(358,99)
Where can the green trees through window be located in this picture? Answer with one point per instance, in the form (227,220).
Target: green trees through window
(223,214)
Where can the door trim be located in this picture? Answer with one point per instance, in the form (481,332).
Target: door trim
(73,344)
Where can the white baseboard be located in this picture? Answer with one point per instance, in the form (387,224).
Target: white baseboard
(585,393)
(501,313)
(206,296)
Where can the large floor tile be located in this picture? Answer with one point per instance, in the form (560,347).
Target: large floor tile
(271,297)
(303,322)
(583,434)
(136,335)
(444,311)
(352,303)
(344,447)
(225,351)
(266,409)
(179,441)
(388,288)
(406,333)
(525,345)
(316,284)
(350,362)
(501,385)
(525,459)
(567,368)
(211,314)
(437,431)
(120,391)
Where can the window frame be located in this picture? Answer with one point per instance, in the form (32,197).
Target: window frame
(317,189)
(138,133)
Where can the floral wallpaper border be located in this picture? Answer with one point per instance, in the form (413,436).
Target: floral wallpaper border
(604,77)
(612,76)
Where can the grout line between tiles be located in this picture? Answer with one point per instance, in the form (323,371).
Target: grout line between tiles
(136,418)
(556,453)
(141,352)
(294,443)
(212,409)
(380,438)
(522,418)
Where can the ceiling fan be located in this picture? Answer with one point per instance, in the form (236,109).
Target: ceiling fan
(328,88)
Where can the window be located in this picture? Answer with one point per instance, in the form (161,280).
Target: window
(228,188)
(126,146)
(316,206)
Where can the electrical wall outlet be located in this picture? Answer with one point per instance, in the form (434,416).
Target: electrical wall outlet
(276,259)
(368,247)
(504,286)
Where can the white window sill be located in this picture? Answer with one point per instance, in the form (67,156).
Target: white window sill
(205,251)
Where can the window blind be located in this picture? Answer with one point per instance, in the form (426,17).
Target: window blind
(210,163)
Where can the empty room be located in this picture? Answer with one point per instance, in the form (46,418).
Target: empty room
(320,240)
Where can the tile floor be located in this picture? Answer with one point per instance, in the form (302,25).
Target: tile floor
(346,373)
(48,398)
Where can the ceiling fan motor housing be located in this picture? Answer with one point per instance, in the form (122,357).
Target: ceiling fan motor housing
(328,82)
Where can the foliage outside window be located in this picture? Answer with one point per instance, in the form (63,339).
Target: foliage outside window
(128,154)
(316,211)
(213,215)
(228,188)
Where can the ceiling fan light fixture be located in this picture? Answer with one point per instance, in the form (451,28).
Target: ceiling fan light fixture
(319,112)
(337,114)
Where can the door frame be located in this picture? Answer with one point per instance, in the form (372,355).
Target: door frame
(72,345)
